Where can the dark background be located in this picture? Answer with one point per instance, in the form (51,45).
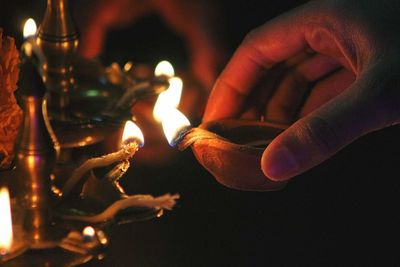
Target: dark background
(343,212)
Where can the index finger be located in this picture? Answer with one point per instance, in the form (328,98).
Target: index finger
(271,43)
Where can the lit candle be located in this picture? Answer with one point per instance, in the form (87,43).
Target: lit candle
(6,231)
(132,140)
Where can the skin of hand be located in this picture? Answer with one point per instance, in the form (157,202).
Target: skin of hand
(196,21)
(341,79)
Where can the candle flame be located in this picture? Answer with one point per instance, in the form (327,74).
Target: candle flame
(174,123)
(164,68)
(6,232)
(131,133)
(29,28)
(168,99)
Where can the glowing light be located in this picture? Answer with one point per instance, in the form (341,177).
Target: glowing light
(128,66)
(174,123)
(164,68)
(132,132)
(29,28)
(6,231)
(88,231)
(168,99)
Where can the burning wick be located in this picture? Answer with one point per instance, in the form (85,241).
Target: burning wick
(163,72)
(132,140)
(88,233)
(164,68)
(175,126)
(6,231)
(168,99)
(29,47)
(179,132)
(29,28)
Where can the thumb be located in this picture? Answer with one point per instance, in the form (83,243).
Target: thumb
(318,136)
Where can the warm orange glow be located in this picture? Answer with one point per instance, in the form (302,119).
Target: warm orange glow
(29,28)
(174,122)
(6,231)
(164,68)
(168,99)
(132,132)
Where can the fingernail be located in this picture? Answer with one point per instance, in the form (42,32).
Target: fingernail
(280,164)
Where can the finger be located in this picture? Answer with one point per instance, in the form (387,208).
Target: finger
(288,97)
(325,131)
(327,89)
(272,43)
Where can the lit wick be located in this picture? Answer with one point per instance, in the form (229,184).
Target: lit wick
(6,231)
(175,125)
(132,140)
(29,47)
(168,99)
(180,133)
(11,244)
(163,72)
(29,28)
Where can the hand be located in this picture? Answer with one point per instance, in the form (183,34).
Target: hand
(196,21)
(347,50)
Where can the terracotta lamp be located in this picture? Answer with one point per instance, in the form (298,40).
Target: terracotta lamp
(230,150)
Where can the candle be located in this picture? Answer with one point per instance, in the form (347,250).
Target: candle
(6,231)
(132,140)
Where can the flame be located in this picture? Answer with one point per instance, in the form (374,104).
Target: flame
(168,99)
(6,232)
(174,124)
(29,28)
(89,231)
(132,132)
(128,66)
(164,68)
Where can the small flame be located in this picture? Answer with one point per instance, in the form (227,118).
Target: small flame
(88,231)
(174,124)
(168,99)
(164,68)
(6,231)
(132,132)
(29,28)
(128,66)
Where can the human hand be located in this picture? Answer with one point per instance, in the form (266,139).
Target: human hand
(353,69)
(196,21)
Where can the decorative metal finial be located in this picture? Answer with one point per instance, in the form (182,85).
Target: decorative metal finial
(58,39)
